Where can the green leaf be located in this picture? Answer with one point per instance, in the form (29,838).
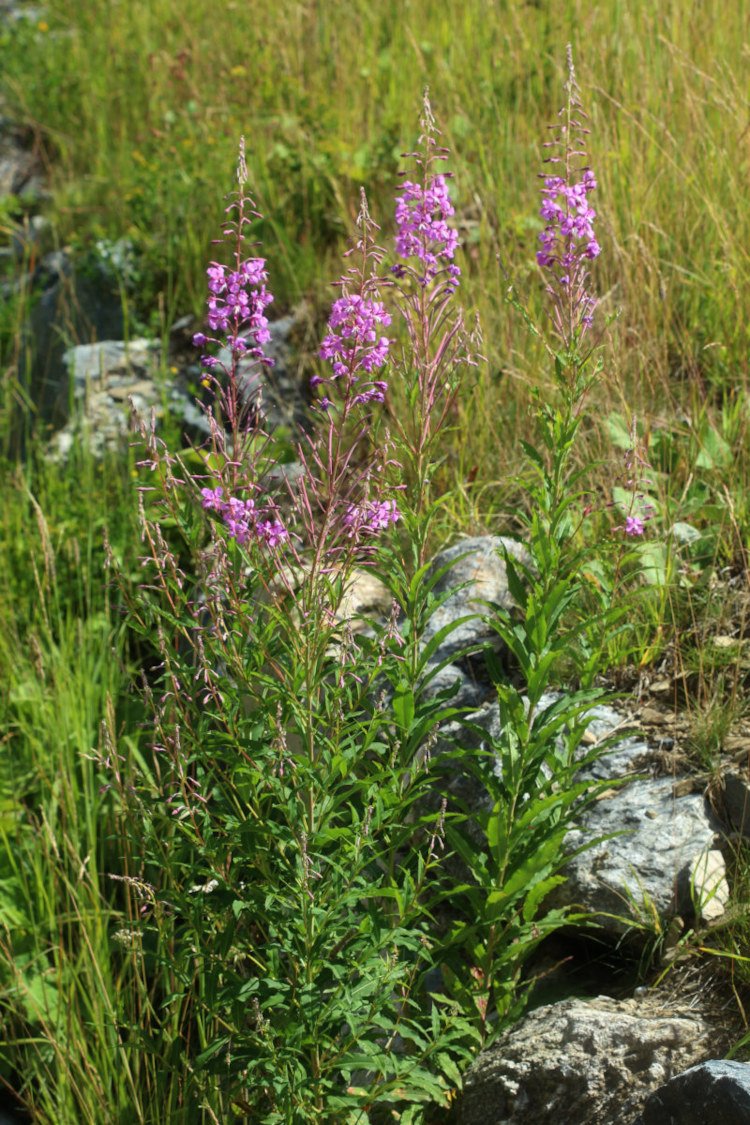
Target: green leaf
(619,431)
(403,706)
(715,452)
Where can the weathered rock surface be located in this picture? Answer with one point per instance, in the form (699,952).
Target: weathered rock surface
(629,754)
(479,729)
(713,1093)
(582,1063)
(657,856)
(662,860)
(642,875)
(476,565)
(107,374)
(106,377)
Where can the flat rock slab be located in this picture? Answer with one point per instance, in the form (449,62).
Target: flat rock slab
(713,1093)
(582,1063)
(642,874)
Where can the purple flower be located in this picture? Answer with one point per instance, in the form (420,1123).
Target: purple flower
(568,241)
(354,343)
(239,517)
(236,309)
(244,520)
(633,526)
(422,228)
(272,532)
(212,499)
(569,223)
(371,517)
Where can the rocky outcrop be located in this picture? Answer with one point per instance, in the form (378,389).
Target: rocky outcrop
(650,862)
(582,1063)
(108,379)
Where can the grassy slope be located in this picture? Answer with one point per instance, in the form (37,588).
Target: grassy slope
(140,106)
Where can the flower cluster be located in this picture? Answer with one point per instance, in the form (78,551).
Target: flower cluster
(244,520)
(422,225)
(569,223)
(371,518)
(568,239)
(354,344)
(236,308)
(633,525)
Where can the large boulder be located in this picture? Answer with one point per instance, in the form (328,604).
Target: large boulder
(475,574)
(651,861)
(583,1063)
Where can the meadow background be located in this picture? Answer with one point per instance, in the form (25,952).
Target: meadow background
(137,109)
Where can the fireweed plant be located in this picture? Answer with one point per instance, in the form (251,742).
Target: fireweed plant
(290,905)
(562,612)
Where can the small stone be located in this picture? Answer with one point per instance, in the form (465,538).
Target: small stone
(709,887)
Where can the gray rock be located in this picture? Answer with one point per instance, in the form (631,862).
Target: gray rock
(481,727)
(630,754)
(462,788)
(477,567)
(643,874)
(737,801)
(107,375)
(75,306)
(110,364)
(712,1093)
(582,1063)
(106,379)
(469,693)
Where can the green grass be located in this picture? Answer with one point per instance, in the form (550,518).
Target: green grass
(139,109)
